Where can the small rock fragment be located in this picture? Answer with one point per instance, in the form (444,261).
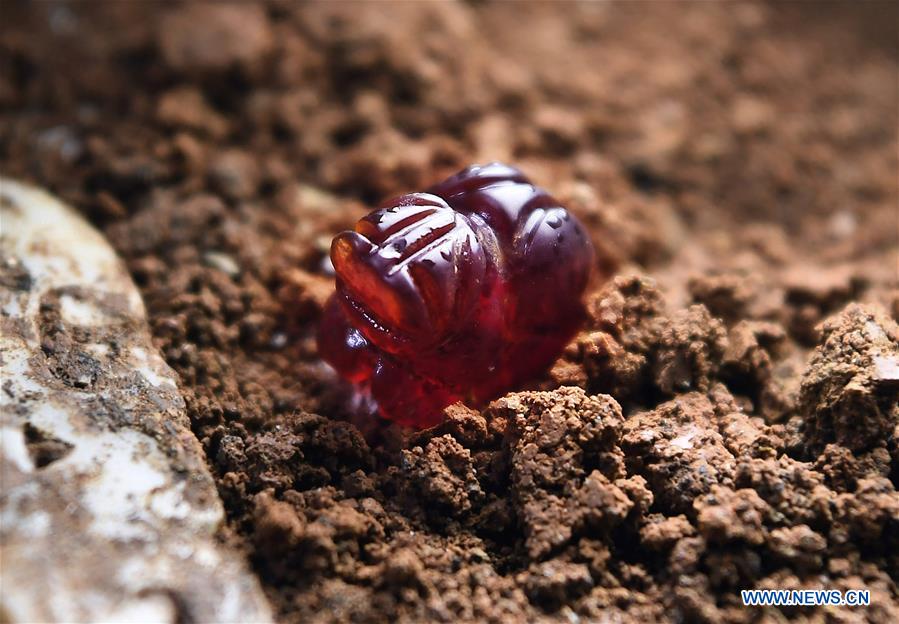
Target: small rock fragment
(109,511)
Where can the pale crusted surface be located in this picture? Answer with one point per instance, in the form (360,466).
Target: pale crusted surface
(108,510)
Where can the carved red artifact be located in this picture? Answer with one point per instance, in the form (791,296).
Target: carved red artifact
(463,292)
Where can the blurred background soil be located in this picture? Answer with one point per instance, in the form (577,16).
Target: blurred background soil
(728,418)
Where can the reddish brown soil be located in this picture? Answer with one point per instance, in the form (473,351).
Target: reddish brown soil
(736,164)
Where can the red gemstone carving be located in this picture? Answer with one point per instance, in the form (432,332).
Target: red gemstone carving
(460,293)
